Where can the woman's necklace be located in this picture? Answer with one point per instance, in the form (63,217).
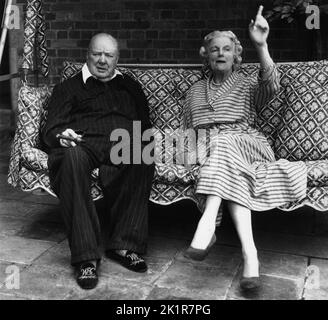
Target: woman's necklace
(215,86)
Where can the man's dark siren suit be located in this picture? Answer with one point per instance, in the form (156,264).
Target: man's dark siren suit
(98,108)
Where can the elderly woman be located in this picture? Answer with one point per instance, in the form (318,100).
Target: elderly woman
(240,167)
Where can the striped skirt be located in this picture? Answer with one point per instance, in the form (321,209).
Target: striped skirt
(241,167)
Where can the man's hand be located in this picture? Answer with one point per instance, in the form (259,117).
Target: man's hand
(72,138)
(259,29)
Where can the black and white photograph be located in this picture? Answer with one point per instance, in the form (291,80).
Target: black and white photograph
(164,156)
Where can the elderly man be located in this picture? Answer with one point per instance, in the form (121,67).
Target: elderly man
(83,111)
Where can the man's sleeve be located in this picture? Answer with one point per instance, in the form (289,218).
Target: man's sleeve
(141,101)
(58,117)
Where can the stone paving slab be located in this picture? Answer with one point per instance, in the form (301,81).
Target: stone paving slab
(19,250)
(58,257)
(279,242)
(282,277)
(159,293)
(23,225)
(11,296)
(316,285)
(43,230)
(219,257)
(43,283)
(43,212)
(10,226)
(273,288)
(112,289)
(27,210)
(7,269)
(156,267)
(283,265)
(212,280)
(45,198)
(10,193)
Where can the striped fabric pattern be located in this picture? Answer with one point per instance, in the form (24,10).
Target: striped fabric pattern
(239,164)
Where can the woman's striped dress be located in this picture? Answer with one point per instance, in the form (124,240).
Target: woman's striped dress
(239,164)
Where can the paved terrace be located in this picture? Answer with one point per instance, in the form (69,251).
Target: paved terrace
(32,237)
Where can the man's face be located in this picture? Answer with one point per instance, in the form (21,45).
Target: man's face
(221,54)
(102,58)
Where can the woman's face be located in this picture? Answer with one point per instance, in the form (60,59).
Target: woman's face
(221,55)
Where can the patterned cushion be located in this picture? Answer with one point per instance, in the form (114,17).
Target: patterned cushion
(158,86)
(303,134)
(29,119)
(171,174)
(317,173)
(70,69)
(35,159)
(31,102)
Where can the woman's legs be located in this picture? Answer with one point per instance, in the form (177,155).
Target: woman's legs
(242,219)
(207,223)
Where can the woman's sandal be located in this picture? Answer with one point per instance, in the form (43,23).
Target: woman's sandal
(199,254)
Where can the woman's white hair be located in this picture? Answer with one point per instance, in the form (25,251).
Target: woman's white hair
(238,49)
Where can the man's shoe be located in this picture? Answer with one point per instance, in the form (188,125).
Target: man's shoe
(131,260)
(199,254)
(86,275)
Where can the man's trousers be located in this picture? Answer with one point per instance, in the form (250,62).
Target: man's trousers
(126,190)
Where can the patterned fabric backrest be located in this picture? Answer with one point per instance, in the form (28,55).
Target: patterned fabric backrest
(166,87)
(303,133)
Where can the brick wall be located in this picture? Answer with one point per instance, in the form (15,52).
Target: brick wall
(158,31)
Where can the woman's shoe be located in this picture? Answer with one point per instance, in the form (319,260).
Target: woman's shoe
(199,254)
(250,283)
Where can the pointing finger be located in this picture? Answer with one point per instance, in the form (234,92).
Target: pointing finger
(259,12)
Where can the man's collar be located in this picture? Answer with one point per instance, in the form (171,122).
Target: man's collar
(86,74)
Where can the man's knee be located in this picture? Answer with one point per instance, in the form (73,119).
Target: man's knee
(77,157)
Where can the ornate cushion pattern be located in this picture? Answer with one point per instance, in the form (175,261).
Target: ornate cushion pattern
(304,132)
(165,88)
(171,173)
(35,160)
(317,173)
(30,111)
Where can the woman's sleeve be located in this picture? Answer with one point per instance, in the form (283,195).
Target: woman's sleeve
(264,86)
(186,113)
(190,139)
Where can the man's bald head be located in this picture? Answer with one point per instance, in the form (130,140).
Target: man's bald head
(103,38)
(102,57)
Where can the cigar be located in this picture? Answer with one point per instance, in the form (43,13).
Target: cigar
(77,140)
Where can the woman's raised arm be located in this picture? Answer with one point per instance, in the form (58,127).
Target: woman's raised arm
(258,32)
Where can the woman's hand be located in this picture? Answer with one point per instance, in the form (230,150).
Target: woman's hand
(259,29)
